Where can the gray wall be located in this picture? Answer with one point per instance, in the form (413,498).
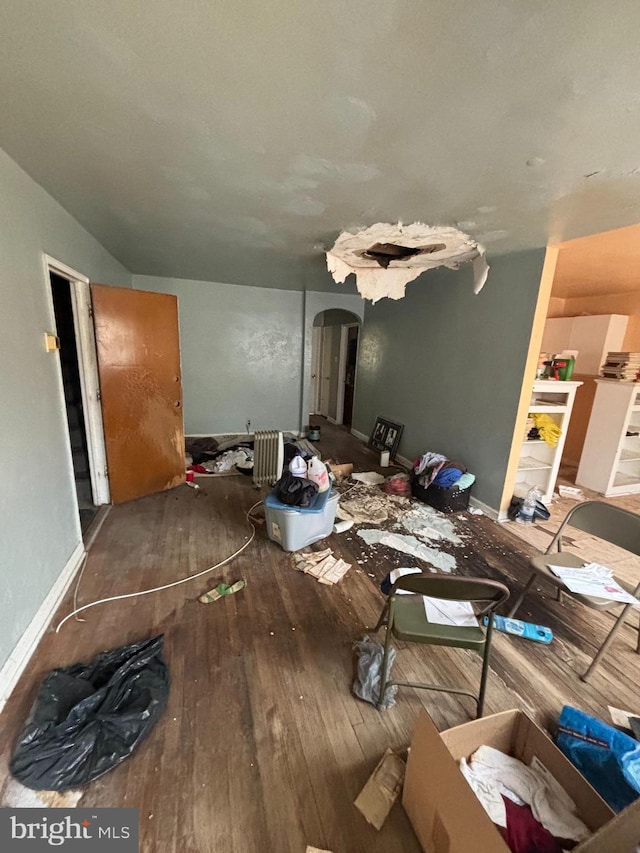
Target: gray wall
(241,354)
(39,527)
(449,364)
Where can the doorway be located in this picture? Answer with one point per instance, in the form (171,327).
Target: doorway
(70,369)
(334,358)
(348,364)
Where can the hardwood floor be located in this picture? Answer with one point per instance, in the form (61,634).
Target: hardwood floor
(263,747)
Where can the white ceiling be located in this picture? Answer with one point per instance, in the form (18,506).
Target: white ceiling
(232,141)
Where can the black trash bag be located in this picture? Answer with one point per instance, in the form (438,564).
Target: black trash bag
(89,717)
(295,491)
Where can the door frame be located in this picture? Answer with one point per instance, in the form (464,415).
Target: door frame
(88,367)
(342,367)
(316,362)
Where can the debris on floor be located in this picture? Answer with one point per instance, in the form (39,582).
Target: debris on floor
(410,545)
(381,790)
(371,506)
(369,478)
(427,523)
(322,565)
(342,526)
(311,849)
(222,589)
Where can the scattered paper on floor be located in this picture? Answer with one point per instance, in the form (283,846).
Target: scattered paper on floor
(382,789)
(322,565)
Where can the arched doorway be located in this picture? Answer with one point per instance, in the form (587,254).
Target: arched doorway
(334,356)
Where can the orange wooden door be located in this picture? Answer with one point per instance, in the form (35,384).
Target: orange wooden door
(138,349)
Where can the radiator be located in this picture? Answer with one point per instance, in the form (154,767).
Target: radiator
(268,457)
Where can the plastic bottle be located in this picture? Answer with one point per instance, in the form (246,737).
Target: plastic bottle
(317,473)
(298,467)
(528,508)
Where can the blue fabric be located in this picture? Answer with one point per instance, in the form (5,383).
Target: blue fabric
(447,477)
(465,481)
(607,758)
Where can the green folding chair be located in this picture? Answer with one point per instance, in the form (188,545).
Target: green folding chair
(620,527)
(406,620)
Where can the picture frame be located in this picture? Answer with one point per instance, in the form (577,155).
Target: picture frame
(385,435)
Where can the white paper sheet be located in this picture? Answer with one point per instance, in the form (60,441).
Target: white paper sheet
(440,611)
(595,580)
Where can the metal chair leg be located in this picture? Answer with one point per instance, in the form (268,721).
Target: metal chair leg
(381,619)
(609,639)
(485,668)
(384,677)
(520,598)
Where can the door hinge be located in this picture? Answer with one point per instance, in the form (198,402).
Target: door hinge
(91,311)
(106,471)
(98,395)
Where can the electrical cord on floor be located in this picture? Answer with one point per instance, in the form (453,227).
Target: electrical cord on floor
(166,585)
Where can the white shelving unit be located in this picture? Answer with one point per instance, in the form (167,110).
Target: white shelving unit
(539,462)
(610,461)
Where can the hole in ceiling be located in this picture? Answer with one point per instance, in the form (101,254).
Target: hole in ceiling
(384,253)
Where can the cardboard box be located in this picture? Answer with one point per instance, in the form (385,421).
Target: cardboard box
(448,818)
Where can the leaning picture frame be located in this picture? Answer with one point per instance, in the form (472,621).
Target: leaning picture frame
(385,436)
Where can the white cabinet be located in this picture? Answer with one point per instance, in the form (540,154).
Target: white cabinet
(610,461)
(539,462)
(593,336)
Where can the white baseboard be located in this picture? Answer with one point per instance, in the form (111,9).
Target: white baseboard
(360,435)
(21,654)
(406,463)
(332,420)
(486,509)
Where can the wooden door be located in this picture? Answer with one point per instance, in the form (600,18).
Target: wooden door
(140,386)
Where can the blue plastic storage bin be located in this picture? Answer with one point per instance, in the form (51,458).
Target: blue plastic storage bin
(294,527)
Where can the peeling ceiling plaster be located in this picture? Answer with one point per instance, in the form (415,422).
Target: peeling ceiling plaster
(167,128)
(436,246)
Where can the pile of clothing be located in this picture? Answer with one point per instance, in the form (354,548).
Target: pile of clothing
(530,809)
(436,469)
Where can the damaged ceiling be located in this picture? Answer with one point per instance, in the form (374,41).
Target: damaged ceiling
(385,258)
(227,144)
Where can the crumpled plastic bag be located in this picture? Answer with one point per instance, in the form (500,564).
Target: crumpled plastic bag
(368,678)
(89,717)
(607,758)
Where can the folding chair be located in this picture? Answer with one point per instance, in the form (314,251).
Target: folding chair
(610,523)
(406,620)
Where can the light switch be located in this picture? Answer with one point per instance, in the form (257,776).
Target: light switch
(51,342)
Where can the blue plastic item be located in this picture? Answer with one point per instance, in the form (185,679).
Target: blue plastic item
(528,630)
(295,527)
(608,759)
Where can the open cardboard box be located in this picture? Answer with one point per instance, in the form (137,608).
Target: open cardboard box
(448,818)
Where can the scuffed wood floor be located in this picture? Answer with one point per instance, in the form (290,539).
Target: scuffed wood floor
(263,748)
